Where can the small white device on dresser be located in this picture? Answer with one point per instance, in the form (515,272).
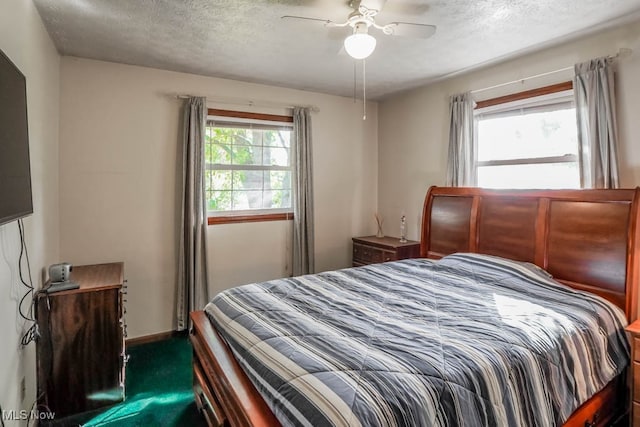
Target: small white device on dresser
(60,278)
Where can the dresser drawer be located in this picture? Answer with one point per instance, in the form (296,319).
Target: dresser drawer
(636,349)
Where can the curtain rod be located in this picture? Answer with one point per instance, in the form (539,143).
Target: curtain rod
(250,103)
(622,53)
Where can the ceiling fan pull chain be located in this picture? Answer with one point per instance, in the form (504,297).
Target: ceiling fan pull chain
(364,89)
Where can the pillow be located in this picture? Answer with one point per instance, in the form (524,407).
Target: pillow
(462,256)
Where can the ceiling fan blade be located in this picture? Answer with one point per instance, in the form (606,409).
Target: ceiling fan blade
(407,29)
(324,22)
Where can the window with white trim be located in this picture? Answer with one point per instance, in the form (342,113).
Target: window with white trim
(528,143)
(248,168)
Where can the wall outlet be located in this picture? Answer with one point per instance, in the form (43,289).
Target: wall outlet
(23,389)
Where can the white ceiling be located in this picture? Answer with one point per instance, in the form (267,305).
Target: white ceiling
(246,39)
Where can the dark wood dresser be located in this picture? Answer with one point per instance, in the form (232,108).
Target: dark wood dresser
(372,249)
(80,352)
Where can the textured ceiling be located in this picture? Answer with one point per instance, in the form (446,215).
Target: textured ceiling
(246,39)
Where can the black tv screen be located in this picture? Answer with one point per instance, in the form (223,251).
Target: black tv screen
(15,172)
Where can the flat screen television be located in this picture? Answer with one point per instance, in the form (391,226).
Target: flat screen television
(15,171)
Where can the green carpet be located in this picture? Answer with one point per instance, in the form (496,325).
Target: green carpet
(158,390)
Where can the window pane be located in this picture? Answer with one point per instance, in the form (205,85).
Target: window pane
(243,199)
(209,135)
(247,180)
(544,175)
(218,180)
(219,200)
(208,180)
(246,155)
(218,154)
(277,138)
(276,180)
(224,135)
(543,134)
(277,199)
(240,136)
(276,156)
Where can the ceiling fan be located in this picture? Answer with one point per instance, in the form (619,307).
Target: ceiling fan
(360,44)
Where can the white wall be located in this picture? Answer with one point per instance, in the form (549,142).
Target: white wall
(119,132)
(25,41)
(414,126)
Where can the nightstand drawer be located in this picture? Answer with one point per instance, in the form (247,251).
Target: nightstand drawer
(366,254)
(371,250)
(636,414)
(389,256)
(636,349)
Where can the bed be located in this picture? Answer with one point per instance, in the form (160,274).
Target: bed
(586,239)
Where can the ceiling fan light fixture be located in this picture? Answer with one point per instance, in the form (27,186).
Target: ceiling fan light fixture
(360,45)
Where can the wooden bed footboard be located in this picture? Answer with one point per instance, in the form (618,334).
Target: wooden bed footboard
(223,392)
(604,409)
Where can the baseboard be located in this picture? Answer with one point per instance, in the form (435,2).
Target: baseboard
(155,337)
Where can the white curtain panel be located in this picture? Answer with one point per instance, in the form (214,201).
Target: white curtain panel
(192,287)
(462,153)
(594,91)
(303,235)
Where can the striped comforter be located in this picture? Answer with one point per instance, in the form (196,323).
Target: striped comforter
(469,340)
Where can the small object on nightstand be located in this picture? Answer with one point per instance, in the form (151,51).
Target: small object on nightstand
(379,222)
(634,331)
(403,229)
(372,250)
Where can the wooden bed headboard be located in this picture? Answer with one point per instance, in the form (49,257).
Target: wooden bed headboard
(587,239)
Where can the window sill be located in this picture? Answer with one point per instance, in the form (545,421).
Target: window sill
(233,219)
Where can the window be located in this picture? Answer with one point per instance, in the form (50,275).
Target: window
(529,142)
(247,166)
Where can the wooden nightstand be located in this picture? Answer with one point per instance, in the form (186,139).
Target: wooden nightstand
(372,249)
(634,331)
